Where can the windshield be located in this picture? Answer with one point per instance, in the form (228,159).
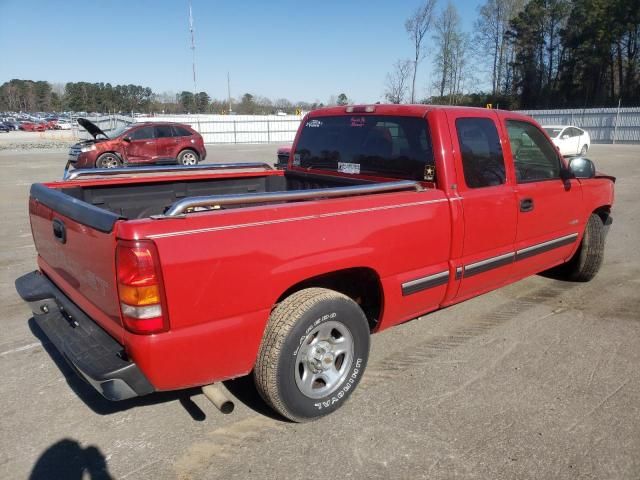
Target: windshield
(117,131)
(397,147)
(553,132)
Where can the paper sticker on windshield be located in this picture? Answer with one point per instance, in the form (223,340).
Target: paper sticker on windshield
(358,121)
(353,168)
(296,160)
(314,123)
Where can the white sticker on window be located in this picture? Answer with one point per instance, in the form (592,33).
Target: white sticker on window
(353,168)
(296,159)
(314,123)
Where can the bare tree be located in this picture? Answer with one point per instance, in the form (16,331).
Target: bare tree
(397,83)
(417,26)
(447,28)
(451,60)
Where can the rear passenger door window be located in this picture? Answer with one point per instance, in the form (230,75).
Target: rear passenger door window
(164,131)
(180,132)
(481,152)
(143,133)
(534,158)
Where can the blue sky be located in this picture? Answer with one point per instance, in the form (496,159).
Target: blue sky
(293,49)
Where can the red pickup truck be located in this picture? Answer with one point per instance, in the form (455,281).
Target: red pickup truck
(186,276)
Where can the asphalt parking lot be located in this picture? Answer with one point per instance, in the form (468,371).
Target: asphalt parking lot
(538,380)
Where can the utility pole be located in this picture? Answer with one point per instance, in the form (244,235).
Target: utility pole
(229,91)
(193,51)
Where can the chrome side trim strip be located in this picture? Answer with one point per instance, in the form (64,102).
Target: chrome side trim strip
(488,264)
(459,273)
(545,246)
(430,281)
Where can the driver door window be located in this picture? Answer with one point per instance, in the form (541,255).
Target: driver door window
(534,158)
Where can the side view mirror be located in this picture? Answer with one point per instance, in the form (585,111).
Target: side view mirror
(582,167)
(126,139)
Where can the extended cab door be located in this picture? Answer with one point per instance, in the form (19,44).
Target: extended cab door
(549,220)
(141,146)
(488,199)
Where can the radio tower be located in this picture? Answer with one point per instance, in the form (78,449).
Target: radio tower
(193,50)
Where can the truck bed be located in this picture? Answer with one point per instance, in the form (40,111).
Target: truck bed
(134,201)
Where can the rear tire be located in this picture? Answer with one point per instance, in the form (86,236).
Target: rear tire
(188,157)
(313,354)
(108,160)
(586,262)
(583,150)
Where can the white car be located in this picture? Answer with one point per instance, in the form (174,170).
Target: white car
(63,125)
(569,140)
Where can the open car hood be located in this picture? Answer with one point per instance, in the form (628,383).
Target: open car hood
(91,127)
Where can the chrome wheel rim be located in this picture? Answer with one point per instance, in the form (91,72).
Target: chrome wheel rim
(324,359)
(189,158)
(109,162)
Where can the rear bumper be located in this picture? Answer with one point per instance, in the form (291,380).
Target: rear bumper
(91,351)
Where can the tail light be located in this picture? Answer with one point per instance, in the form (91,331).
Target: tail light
(140,289)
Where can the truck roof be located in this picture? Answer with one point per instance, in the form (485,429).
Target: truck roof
(417,110)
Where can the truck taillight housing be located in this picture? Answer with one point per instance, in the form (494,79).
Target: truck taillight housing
(140,289)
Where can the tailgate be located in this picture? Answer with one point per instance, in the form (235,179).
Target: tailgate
(76,247)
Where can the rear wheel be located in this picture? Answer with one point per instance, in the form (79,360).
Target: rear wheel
(583,150)
(188,157)
(313,354)
(108,160)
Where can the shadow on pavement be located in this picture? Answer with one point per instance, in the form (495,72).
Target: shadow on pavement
(67,460)
(245,391)
(101,405)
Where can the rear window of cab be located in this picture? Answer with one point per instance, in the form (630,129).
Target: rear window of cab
(376,145)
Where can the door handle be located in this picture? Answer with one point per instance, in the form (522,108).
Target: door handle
(59,230)
(526,204)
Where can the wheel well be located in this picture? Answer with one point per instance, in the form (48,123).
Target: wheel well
(360,284)
(604,212)
(190,149)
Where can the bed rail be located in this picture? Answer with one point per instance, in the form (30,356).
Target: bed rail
(212,201)
(85,172)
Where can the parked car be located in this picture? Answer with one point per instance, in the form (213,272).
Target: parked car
(569,140)
(63,125)
(5,127)
(12,124)
(29,126)
(139,143)
(385,213)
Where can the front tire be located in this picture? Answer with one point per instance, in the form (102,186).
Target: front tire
(586,262)
(583,150)
(108,160)
(188,157)
(313,354)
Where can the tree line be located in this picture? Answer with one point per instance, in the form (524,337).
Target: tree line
(532,54)
(40,96)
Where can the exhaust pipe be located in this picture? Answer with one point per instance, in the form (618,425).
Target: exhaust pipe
(216,396)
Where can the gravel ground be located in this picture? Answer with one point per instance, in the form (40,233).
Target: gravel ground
(18,140)
(537,380)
